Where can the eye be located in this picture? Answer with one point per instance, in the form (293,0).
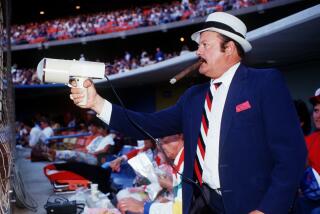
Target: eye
(205,45)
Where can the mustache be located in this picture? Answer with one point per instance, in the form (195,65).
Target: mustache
(186,71)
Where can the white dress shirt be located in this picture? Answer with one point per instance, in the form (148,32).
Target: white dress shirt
(46,133)
(210,173)
(34,135)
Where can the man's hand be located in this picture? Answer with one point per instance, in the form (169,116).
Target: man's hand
(256,212)
(130,204)
(166,182)
(94,100)
(115,164)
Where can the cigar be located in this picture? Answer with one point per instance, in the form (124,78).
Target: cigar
(186,71)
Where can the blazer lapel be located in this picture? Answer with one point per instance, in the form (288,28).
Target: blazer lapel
(235,90)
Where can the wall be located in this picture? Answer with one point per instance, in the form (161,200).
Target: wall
(303,79)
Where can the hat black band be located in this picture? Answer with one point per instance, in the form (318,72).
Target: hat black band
(222,27)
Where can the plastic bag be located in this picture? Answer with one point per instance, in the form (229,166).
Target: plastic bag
(310,184)
(143,166)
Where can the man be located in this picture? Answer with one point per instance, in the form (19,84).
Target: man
(46,130)
(34,135)
(241,131)
(173,148)
(311,202)
(115,165)
(313,140)
(100,144)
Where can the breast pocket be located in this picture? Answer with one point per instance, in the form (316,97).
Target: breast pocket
(246,117)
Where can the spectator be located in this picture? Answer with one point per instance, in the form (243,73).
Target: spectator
(304,116)
(184,50)
(127,56)
(99,145)
(46,130)
(89,117)
(159,56)
(35,134)
(119,20)
(69,120)
(145,59)
(82,58)
(313,145)
(313,140)
(173,148)
(115,164)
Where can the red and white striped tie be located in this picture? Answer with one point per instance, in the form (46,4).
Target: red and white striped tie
(202,138)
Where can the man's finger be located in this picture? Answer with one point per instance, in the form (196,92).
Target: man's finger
(76,98)
(87,83)
(76,90)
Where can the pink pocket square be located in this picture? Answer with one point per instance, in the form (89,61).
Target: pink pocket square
(243,106)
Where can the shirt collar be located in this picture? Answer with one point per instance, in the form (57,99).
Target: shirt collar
(227,76)
(176,160)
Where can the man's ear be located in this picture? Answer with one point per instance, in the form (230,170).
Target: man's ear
(230,48)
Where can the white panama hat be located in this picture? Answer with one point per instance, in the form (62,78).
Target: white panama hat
(227,25)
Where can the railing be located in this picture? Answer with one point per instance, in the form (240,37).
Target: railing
(7,138)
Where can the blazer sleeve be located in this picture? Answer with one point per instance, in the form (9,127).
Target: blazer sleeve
(158,124)
(286,142)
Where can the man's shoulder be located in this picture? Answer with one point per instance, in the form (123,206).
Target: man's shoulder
(35,129)
(197,88)
(258,76)
(262,71)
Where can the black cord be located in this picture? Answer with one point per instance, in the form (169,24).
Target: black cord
(184,178)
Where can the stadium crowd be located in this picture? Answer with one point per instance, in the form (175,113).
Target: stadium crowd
(120,20)
(96,148)
(23,76)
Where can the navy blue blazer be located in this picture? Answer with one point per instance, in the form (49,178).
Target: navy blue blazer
(262,150)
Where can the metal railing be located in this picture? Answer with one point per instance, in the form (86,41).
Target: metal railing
(7,139)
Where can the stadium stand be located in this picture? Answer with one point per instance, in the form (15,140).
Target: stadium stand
(132,68)
(120,20)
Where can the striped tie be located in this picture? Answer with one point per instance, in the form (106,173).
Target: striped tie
(201,144)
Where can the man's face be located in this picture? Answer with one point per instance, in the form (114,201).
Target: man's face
(89,117)
(148,143)
(43,125)
(209,50)
(170,145)
(93,129)
(316,115)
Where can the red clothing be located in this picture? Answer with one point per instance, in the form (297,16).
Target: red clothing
(313,146)
(159,160)
(134,152)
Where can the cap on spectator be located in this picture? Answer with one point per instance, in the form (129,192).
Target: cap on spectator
(91,112)
(316,98)
(44,120)
(227,25)
(113,131)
